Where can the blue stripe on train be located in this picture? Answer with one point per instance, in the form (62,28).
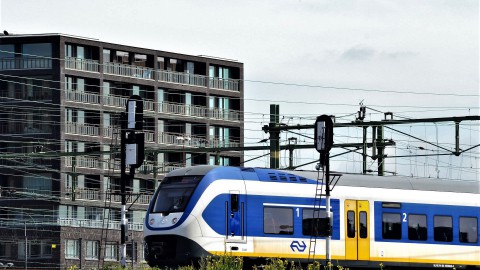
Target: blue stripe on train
(214,214)
(430,210)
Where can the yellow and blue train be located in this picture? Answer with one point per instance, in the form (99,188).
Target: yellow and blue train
(264,213)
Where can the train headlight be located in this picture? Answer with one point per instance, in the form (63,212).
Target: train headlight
(152,220)
(174,220)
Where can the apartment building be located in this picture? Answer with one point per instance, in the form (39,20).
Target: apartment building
(61,97)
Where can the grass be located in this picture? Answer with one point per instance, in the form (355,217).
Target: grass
(227,262)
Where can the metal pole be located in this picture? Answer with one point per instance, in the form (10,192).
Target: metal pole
(329,216)
(26,245)
(364,150)
(274,136)
(123,179)
(380,148)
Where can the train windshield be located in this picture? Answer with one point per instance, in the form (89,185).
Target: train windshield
(174,193)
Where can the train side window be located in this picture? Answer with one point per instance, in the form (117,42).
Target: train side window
(314,222)
(417,227)
(277,220)
(442,228)
(351,224)
(468,230)
(391,226)
(363,224)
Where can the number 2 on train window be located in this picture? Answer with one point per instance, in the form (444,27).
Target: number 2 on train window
(404,217)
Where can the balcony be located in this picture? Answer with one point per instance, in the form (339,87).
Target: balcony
(149,105)
(89,162)
(95,194)
(97,224)
(224,84)
(25,63)
(82,97)
(199,111)
(187,140)
(129,71)
(181,78)
(120,102)
(81,64)
(21,128)
(92,194)
(145,73)
(181,139)
(113,165)
(81,129)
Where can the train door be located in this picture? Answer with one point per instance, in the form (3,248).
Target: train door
(357,238)
(235,217)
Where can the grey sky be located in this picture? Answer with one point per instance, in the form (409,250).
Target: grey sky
(402,46)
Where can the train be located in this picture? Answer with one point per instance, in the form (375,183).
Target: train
(259,213)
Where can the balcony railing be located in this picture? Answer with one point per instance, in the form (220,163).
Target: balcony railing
(111,132)
(81,129)
(97,224)
(93,194)
(129,71)
(225,84)
(181,139)
(81,64)
(82,97)
(25,63)
(199,111)
(83,162)
(181,78)
(142,198)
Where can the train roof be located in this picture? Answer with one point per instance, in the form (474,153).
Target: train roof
(353,180)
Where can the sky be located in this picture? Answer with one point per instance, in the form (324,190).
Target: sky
(417,59)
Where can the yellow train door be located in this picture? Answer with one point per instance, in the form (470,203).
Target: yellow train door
(357,238)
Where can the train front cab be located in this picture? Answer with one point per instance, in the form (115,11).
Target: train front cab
(357,232)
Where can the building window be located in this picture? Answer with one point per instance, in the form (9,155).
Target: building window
(5,249)
(468,230)
(37,55)
(314,222)
(46,249)
(391,226)
(7,51)
(72,248)
(417,227)
(277,220)
(161,63)
(140,60)
(131,250)
(92,250)
(106,55)
(35,249)
(7,54)
(122,57)
(111,251)
(442,228)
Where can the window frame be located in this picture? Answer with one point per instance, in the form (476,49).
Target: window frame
(426,227)
(314,223)
(435,229)
(384,233)
(92,250)
(460,230)
(272,218)
(72,243)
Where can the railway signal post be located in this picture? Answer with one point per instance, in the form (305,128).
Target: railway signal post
(132,149)
(323,144)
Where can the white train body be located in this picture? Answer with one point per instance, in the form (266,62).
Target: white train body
(263,213)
